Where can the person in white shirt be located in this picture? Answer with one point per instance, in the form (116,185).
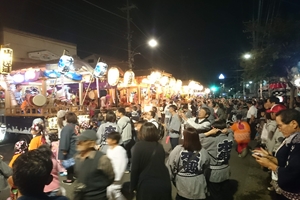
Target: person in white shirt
(151,118)
(201,122)
(251,116)
(119,160)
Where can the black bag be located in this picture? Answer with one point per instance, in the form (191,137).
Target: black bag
(127,192)
(174,173)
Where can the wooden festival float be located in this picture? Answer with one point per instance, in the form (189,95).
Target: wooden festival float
(70,85)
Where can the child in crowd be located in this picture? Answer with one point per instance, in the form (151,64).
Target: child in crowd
(37,130)
(134,114)
(118,157)
(20,147)
(53,189)
(54,148)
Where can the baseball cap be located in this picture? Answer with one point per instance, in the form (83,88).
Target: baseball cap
(276,108)
(87,135)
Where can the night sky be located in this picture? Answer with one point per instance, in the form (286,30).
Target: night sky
(198,39)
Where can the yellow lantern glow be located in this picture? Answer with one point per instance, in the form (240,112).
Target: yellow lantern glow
(129,77)
(145,81)
(185,89)
(154,76)
(179,83)
(192,85)
(113,76)
(207,90)
(172,82)
(200,87)
(6,57)
(164,80)
(29,74)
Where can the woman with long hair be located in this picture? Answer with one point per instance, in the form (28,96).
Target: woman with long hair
(149,174)
(187,164)
(242,131)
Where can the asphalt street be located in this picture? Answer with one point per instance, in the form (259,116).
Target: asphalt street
(248,181)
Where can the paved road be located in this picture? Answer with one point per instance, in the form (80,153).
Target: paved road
(248,181)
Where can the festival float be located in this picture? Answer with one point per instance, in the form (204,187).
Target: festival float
(41,91)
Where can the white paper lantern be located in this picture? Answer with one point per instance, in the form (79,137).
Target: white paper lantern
(113,76)
(207,91)
(18,78)
(65,64)
(172,82)
(129,77)
(100,69)
(29,74)
(154,76)
(179,83)
(297,80)
(164,80)
(192,85)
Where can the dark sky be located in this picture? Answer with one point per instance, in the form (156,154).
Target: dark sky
(198,39)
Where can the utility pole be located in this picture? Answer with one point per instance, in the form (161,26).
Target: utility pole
(129,35)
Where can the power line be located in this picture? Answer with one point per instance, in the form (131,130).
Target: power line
(116,15)
(105,10)
(112,31)
(87,38)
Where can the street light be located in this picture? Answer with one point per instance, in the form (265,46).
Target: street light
(152,43)
(221,77)
(129,74)
(247,56)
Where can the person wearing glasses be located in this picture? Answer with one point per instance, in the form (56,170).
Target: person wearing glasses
(286,161)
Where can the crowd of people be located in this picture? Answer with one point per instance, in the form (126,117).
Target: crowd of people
(202,132)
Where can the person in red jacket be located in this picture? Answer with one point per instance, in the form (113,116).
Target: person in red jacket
(241,130)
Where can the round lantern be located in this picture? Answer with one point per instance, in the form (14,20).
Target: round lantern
(129,77)
(113,76)
(154,76)
(192,85)
(207,91)
(18,78)
(30,75)
(164,80)
(178,83)
(200,87)
(65,63)
(296,80)
(100,69)
(172,82)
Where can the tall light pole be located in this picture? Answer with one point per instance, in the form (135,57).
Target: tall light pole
(246,56)
(129,75)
